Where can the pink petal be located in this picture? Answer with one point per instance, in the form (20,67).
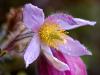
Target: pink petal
(68,22)
(76,65)
(54,61)
(32,51)
(33,17)
(73,48)
(45,68)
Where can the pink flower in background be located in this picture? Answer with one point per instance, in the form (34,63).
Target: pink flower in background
(52,40)
(76,65)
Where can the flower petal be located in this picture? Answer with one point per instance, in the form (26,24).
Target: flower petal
(32,51)
(76,65)
(33,17)
(45,68)
(68,22)
(55,62)
(74,48)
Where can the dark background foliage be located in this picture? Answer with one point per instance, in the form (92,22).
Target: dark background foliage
(89,36)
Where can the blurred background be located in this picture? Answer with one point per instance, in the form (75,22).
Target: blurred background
(89,36)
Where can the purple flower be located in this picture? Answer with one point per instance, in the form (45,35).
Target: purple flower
(51,33)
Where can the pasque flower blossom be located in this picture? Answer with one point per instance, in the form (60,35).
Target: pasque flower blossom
(51,35)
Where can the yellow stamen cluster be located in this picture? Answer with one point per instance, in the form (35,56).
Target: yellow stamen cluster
(51,34)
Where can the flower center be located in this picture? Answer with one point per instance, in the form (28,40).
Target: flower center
(51,34)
